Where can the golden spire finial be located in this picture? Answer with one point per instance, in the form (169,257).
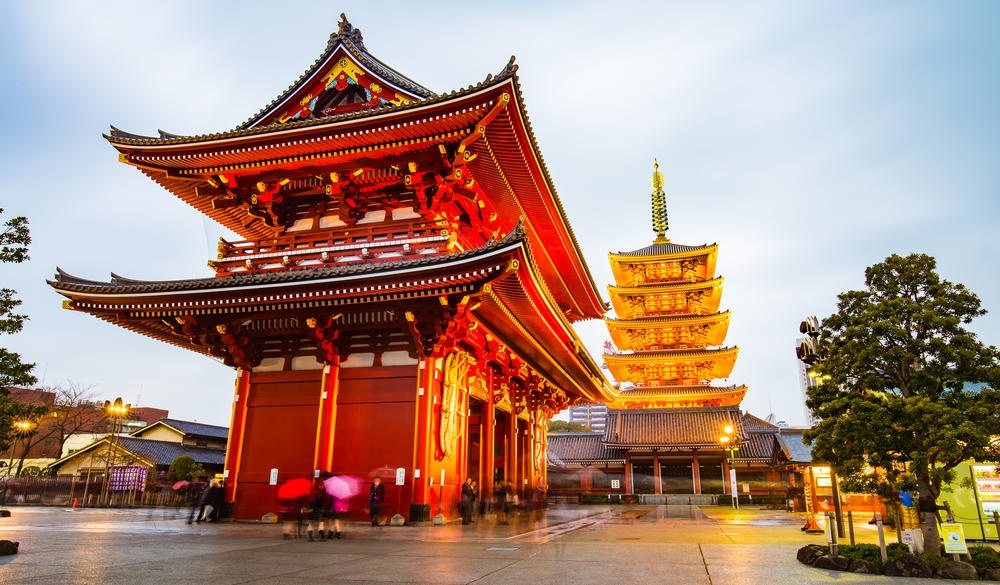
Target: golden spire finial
(660,224)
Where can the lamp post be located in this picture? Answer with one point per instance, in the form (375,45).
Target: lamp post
(808,354)
(116,411)
(22,428)
(730,443)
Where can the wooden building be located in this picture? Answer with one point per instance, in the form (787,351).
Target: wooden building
(404,294)
(667,419)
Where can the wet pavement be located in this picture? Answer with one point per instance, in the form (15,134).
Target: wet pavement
(582,545)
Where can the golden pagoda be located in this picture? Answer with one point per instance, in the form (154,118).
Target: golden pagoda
(668,332)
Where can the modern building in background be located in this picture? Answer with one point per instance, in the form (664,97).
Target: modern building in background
(592,416)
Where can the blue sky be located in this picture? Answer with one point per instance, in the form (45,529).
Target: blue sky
(808,139)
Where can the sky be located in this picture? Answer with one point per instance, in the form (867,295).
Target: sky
(809,140)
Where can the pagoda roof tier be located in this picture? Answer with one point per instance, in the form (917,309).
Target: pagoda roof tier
(666,262)
(668,367)
(468,159)
(678,396)
(671,428)
(697,298)
(246,319)
(669,331)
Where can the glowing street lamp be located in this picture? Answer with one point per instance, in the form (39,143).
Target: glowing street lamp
(116,411)
(731,444)
(22,428)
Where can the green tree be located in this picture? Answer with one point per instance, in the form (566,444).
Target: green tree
(14,240)
(907,392)
(184,467)
(561,426)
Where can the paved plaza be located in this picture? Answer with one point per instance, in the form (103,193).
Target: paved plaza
(576,545)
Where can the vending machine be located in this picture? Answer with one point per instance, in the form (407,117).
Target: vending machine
(974,496)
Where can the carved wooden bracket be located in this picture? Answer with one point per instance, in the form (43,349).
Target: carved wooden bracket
(327,336)
(437,330)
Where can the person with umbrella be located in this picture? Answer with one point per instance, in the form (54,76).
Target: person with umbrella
(291,497)
(340,488)
(211,502)
(376,495)
(321,501)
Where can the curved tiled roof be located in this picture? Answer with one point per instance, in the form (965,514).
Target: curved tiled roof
(754,424)
(757,447)
(670,427)
(793,448)
(165,452)
(191,428)
(582,448)
(667,320)
(654,355)
(350,38)
(118,136)
(654,391)
(665,249)
(118,284)
(159,453)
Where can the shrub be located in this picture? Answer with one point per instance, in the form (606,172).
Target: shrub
(984,557)
(895,550)
(868,552)
(933,561)
(871,552)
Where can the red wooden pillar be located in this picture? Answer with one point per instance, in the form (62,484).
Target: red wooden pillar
(510,457)
(327,423)
(487,440)
(427,381)
(524,457)
(657,477)
(237,426)
(696,472)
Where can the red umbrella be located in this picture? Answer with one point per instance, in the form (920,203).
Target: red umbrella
(294,488)
(181,484)
(342,486)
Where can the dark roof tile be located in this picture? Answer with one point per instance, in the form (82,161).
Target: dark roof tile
(676,427)
(663,249)
(582,448)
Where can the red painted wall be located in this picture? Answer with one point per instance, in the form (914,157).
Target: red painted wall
(282,412)
(375,428)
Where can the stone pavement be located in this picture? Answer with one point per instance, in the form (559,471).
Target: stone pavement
(578,545)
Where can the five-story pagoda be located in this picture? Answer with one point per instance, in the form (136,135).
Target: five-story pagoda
(668,334)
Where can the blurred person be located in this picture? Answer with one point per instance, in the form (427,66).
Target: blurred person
(316,513)
(468,500)
(211,502)
(290,514)
(196,492)
(376,495)
(500,502)
(338,508)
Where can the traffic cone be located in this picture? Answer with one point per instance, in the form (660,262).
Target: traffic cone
(75,503)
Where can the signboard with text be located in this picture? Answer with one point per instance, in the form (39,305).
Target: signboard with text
(954,538)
